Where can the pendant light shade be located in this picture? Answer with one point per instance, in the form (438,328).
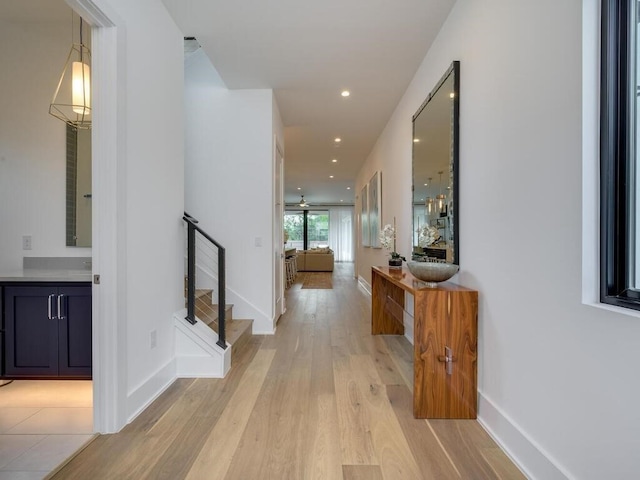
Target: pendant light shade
(71,101)
(428,203)
(81,88)
(441,197)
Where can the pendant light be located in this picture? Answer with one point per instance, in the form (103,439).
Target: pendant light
(72,100)
(429,201)
(440,197)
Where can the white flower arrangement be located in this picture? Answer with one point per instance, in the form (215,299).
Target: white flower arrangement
(428,235)
(388,240)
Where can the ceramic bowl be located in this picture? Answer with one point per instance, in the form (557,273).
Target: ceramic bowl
(432,272)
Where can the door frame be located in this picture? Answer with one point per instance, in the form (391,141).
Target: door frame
(278,235)
(109,340)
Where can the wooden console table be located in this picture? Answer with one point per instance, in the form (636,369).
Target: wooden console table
(445,339)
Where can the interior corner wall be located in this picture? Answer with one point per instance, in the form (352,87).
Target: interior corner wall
(557,379)
(32,143)
(229,187)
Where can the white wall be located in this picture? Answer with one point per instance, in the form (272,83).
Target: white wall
(558,379)
(150,168)
(229,183)
(32,143)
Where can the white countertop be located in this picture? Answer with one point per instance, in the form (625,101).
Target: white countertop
(46,275)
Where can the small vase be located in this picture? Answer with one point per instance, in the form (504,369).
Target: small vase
(395,262)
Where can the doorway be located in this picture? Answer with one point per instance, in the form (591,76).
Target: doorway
(278,228)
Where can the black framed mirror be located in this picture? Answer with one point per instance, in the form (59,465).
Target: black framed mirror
(435,169)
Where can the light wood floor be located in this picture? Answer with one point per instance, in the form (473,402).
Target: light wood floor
(321,399)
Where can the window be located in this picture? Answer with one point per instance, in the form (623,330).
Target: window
(294,226)
(306,229)
(318,229)
(619,140)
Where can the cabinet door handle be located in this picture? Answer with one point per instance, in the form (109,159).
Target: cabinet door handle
(448,358)
(50,306)
(60,305)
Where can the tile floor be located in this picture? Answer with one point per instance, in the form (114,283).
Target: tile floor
(42,423)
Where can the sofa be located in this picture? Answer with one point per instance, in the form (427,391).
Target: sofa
(315,260)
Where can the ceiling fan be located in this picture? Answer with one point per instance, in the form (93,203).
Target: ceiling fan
(303,203)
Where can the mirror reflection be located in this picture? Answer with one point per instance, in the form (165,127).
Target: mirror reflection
(435,172)
(78,201)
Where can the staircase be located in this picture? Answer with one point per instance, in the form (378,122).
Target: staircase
(238,332)
(205,330)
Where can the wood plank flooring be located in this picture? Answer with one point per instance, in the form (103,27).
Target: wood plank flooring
(321,399)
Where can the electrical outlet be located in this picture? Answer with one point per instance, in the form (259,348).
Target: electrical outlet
(153,338)
(26,242)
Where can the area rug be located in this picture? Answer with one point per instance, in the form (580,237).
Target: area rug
(317,280)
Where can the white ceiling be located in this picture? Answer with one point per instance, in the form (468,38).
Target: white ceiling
(307,52)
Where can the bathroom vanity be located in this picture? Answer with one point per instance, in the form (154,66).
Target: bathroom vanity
(46,323)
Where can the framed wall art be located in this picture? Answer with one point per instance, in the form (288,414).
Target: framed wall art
(364,217)
(375,214)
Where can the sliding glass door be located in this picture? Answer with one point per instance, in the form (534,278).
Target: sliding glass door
(306,229)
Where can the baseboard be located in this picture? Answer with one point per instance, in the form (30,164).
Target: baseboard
(142,396)
(525,452)
(364,284)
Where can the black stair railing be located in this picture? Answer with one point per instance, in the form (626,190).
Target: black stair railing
(192,230)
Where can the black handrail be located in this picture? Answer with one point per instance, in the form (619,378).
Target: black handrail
(192,228)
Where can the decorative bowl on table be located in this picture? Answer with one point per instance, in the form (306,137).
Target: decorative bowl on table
(432,272)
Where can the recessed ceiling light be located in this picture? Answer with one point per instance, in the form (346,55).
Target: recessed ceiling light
(342,200)
(299,188)
(451,95)
(330,176)
(345,93)
(337,140)
(416,140)
(426,184)
(335,160)
(348,188)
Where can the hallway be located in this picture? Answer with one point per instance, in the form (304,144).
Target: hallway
(320,399)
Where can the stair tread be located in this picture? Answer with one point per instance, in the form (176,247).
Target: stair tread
(202,292)
(235,328)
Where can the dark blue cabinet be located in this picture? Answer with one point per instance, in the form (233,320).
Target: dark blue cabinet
(47,330)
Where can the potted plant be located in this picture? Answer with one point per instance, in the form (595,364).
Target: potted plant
(388,241)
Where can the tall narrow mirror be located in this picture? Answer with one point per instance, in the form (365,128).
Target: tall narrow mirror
(78,199)
(435,171)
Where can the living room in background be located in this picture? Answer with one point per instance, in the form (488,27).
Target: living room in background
(332,227)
